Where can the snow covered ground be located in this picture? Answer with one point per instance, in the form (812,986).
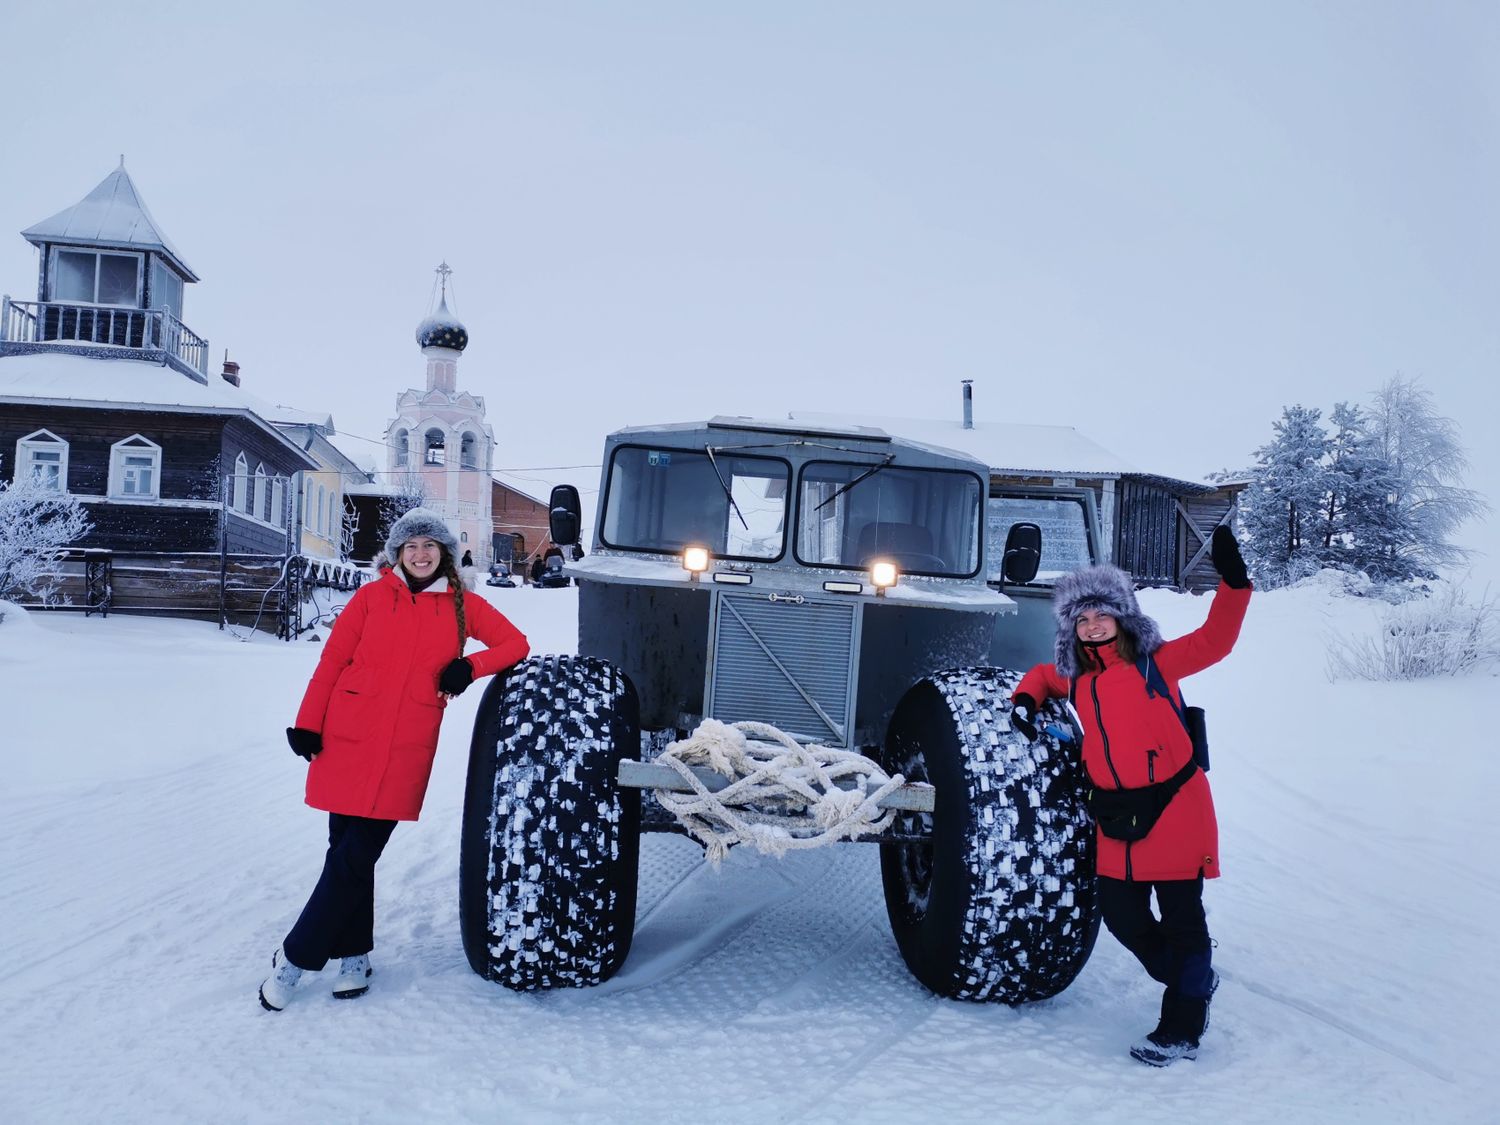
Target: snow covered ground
(156,848)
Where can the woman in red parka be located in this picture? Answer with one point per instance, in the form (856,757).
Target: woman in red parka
(368,726)
(1132,740)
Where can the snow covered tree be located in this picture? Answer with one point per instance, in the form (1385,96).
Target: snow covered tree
(36,523)
(347,529)
(1280,512)
(1426,503)
(411,492)
(1356,512)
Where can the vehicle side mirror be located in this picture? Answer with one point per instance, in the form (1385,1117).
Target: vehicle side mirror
(1023,554)
(565,515)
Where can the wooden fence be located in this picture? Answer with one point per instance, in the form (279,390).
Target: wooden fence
(249,591)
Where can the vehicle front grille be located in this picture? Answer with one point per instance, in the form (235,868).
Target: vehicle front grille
(788,662)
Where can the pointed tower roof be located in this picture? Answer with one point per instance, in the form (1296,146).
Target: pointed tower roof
(112,215)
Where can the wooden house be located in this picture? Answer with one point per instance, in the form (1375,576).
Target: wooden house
(1155,527)
(105,393)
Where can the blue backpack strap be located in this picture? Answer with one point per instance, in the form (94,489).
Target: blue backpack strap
(1156,684)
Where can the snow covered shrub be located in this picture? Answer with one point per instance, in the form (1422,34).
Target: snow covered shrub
(1442,635)
(35,525)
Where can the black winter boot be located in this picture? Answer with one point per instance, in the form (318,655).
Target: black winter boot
(1183,1021)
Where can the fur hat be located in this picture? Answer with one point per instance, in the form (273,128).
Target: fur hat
(419,521)
(1106,589)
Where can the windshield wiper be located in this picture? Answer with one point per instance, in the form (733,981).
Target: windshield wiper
(728,493)
(843,488)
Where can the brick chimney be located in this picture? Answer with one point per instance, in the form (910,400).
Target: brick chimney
(231,371)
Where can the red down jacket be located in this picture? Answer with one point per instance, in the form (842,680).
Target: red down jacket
(374,696)
(1144,742)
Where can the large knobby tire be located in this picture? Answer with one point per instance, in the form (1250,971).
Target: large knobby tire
(1002,903)
(548,862)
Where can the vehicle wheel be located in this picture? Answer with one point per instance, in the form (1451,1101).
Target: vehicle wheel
(548,858)
(1001,904)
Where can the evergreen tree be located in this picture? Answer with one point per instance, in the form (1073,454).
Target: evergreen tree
(1281,510)
(1356,516)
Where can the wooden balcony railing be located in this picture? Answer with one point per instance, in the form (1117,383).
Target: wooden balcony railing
(151,330)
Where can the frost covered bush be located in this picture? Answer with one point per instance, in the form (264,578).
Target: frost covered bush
(1442,635)
(35,525)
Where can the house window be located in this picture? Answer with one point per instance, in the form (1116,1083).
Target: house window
(96,278)
(240,497)
(135,469)
(278,502)
(321,526)
(262,493)
(166,289)
(434,438)
(43,457)
(307,503)
(333,515)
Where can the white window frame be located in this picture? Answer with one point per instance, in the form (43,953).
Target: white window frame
(138,446)
(41,441)
(278,502)
(321,527)
(262,494)
(335,524)
(240,495)
(140,279)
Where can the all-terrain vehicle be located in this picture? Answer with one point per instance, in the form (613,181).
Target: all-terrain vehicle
(832,582)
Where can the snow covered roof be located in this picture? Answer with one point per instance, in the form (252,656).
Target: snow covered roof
(1013,448)
(113,214)
(69,379)
(1006,447)
(368,454)
(292,416)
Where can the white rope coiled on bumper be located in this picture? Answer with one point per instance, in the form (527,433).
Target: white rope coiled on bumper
(783,795)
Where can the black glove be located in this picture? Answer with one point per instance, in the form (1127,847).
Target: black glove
(456,677)
(304,743)
(1225,555)
(1023,716)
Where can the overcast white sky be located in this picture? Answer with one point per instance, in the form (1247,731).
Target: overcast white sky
(1159,222)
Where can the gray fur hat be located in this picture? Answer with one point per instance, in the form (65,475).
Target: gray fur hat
(1106,589)
(419,521)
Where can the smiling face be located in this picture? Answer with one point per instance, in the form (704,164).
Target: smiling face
(421,556)
(1095,627)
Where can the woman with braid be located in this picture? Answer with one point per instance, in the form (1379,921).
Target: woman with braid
(368,726)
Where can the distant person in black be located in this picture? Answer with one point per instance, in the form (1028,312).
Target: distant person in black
(468,559)
(538,568)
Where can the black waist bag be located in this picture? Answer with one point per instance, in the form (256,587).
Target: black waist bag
(1129,814)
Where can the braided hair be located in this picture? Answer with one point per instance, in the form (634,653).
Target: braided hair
(450,572)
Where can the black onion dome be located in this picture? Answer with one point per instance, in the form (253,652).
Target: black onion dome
(443,330)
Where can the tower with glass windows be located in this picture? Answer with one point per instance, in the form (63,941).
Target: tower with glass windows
(439,443)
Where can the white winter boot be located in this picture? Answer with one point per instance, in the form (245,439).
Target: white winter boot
(354,977)
(276,992)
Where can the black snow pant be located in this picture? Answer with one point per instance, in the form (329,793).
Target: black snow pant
(1174,949)
(339,918)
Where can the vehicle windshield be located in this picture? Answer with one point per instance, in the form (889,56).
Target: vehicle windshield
(660,499)
(926,521)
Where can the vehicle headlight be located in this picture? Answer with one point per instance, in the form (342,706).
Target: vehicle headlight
(695,560)
(883,573)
